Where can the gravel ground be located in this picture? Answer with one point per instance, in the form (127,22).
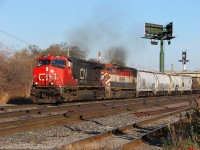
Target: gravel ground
(52,137)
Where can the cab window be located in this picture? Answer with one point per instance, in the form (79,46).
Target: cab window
(109,69)
(59,63)
(43,62)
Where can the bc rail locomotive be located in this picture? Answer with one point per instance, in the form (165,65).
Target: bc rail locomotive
(61,79)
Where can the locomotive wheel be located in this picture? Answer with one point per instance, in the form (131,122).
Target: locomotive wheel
(151,94)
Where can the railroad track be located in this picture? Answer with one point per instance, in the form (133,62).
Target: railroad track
(46,109)
(39,118)
(126,137)
(25,107)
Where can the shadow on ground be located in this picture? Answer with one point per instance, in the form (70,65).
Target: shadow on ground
(20,100)
(154,142)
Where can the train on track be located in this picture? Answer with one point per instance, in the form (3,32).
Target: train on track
(61,79)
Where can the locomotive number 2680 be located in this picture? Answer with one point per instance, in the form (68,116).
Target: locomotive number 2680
(83,73)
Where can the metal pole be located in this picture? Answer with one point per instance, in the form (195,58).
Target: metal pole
(162,67)
(68,51)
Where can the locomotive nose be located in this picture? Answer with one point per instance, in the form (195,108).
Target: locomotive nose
(41,76)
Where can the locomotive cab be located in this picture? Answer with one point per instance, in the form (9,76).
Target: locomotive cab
(51,76)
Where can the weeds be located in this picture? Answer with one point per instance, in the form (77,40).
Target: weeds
(184,135)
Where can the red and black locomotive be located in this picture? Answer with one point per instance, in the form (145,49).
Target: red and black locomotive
(58,79)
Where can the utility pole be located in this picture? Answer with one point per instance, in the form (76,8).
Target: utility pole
(162,56)
(68,50)
(156,33)
(99,56)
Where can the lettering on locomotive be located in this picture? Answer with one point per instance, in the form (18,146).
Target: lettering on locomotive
(122,79)
(83,73)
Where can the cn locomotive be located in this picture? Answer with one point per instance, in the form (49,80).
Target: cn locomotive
(61,79)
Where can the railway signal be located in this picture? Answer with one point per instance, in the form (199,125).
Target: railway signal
(155,33)
(184,60)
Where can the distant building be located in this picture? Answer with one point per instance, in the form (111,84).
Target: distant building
(189,73)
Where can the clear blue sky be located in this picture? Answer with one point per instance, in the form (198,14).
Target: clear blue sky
(97,25)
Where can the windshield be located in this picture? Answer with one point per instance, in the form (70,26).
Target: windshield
(43,62)
(59,63)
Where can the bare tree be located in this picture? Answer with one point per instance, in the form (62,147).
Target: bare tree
(64,49)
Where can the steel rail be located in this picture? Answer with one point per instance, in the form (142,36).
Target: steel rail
(136,142)
(120,130)
(68,117)
(28,106)
(45,110)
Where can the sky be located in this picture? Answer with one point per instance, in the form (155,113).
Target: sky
(98,25)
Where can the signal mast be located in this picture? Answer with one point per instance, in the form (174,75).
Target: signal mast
(184,60)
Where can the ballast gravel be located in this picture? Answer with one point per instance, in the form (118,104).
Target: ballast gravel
(53,137)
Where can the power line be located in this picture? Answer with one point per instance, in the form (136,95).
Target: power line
(15,37)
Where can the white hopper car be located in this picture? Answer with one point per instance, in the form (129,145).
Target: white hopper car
(152,84)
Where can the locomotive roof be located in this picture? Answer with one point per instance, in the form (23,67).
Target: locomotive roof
(51,57)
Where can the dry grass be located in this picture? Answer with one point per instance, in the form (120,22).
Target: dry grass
(15,74)
(4,98)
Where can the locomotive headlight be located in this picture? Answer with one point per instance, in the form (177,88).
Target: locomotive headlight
(51,83)
(36,83)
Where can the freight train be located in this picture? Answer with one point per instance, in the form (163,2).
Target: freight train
(58,79)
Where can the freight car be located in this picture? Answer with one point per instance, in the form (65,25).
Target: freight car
(58,79)
(175,85)
(195,85)
(187,84)
(146,83)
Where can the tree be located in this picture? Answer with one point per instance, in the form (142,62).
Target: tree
(64,49)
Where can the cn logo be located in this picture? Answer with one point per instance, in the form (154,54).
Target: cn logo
(43,77)
(83,73)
